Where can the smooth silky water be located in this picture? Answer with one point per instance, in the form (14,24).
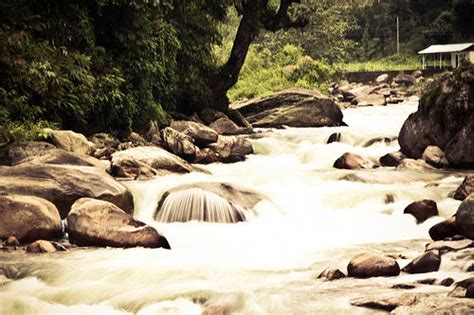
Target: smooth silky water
(310,220)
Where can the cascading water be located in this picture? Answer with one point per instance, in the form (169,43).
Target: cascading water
(196,204)
(311,220)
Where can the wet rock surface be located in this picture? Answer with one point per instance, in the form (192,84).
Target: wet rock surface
(422,210)
(366,265)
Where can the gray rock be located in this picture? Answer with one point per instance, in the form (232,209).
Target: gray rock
(293,108)
(201,134)
(366,265)
(179,143)
(28,218)
(465,217)
(70,141)
(94,222)
(383,78)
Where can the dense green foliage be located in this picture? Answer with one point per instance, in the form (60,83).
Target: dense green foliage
(103,65)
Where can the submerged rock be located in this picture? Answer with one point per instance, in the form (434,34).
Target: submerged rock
(422,210)
(94,222)
(466,188)
(449,245)
(331,274)
(352,161)
(366,265)
(293,108)
(428,262)
(445,118)
(416,165)
(388,303)
(465,217)
(28,218)
(208,202)
(64,184)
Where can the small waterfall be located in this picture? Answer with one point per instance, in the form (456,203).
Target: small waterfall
(197,204)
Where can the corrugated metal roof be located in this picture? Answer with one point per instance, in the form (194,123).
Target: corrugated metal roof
(437,49)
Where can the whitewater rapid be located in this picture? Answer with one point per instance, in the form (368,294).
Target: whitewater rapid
(309,220)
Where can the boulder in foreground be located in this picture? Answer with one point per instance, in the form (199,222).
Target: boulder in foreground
(28,218)
(294,108)
(367,265)
(100,223)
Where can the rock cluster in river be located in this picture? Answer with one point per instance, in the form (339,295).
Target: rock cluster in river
(445,118)
(379,93)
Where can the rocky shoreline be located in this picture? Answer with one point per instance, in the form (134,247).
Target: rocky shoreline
(69,185)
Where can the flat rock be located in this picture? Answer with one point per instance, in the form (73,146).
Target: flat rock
(293,108)
(449,245)
(437,304)
(416,165)
(16,152)
(152,157)
(370,100)
(388,303)
(28,218)
(100,223)
(366,265)
(64,184)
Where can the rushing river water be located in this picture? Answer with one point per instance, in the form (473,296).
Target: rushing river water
(268,265)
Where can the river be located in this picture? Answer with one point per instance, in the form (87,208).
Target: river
(311,220)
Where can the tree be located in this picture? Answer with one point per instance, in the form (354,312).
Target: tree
(256,15)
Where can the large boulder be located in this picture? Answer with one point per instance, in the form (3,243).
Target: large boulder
(422,210)
(366,265)
(231,149)
(465,217)
(466,188)
(70,141)
(352,161)
(64,184)
(28,218)
(147,159)
(16,152)
(201,134)
(207,201)
(100,223)
(293,108)
(179,143)
(445,118)
(63,157)
(427,262)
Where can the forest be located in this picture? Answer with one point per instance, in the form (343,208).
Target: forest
(115,65)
